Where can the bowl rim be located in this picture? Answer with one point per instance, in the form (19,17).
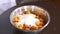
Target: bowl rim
(48,16)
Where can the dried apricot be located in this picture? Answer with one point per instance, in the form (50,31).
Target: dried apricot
(15,20)
(25,26)
(20,27)
(19,17)
(41,20)
(28,12)
(34,28)
(39,26)
(37,23)
(37,16)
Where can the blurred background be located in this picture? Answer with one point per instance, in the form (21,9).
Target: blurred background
(6,4)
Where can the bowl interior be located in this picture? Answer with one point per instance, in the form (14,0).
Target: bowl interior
(34,9)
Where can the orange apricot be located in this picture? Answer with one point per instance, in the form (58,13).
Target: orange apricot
(34,28)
